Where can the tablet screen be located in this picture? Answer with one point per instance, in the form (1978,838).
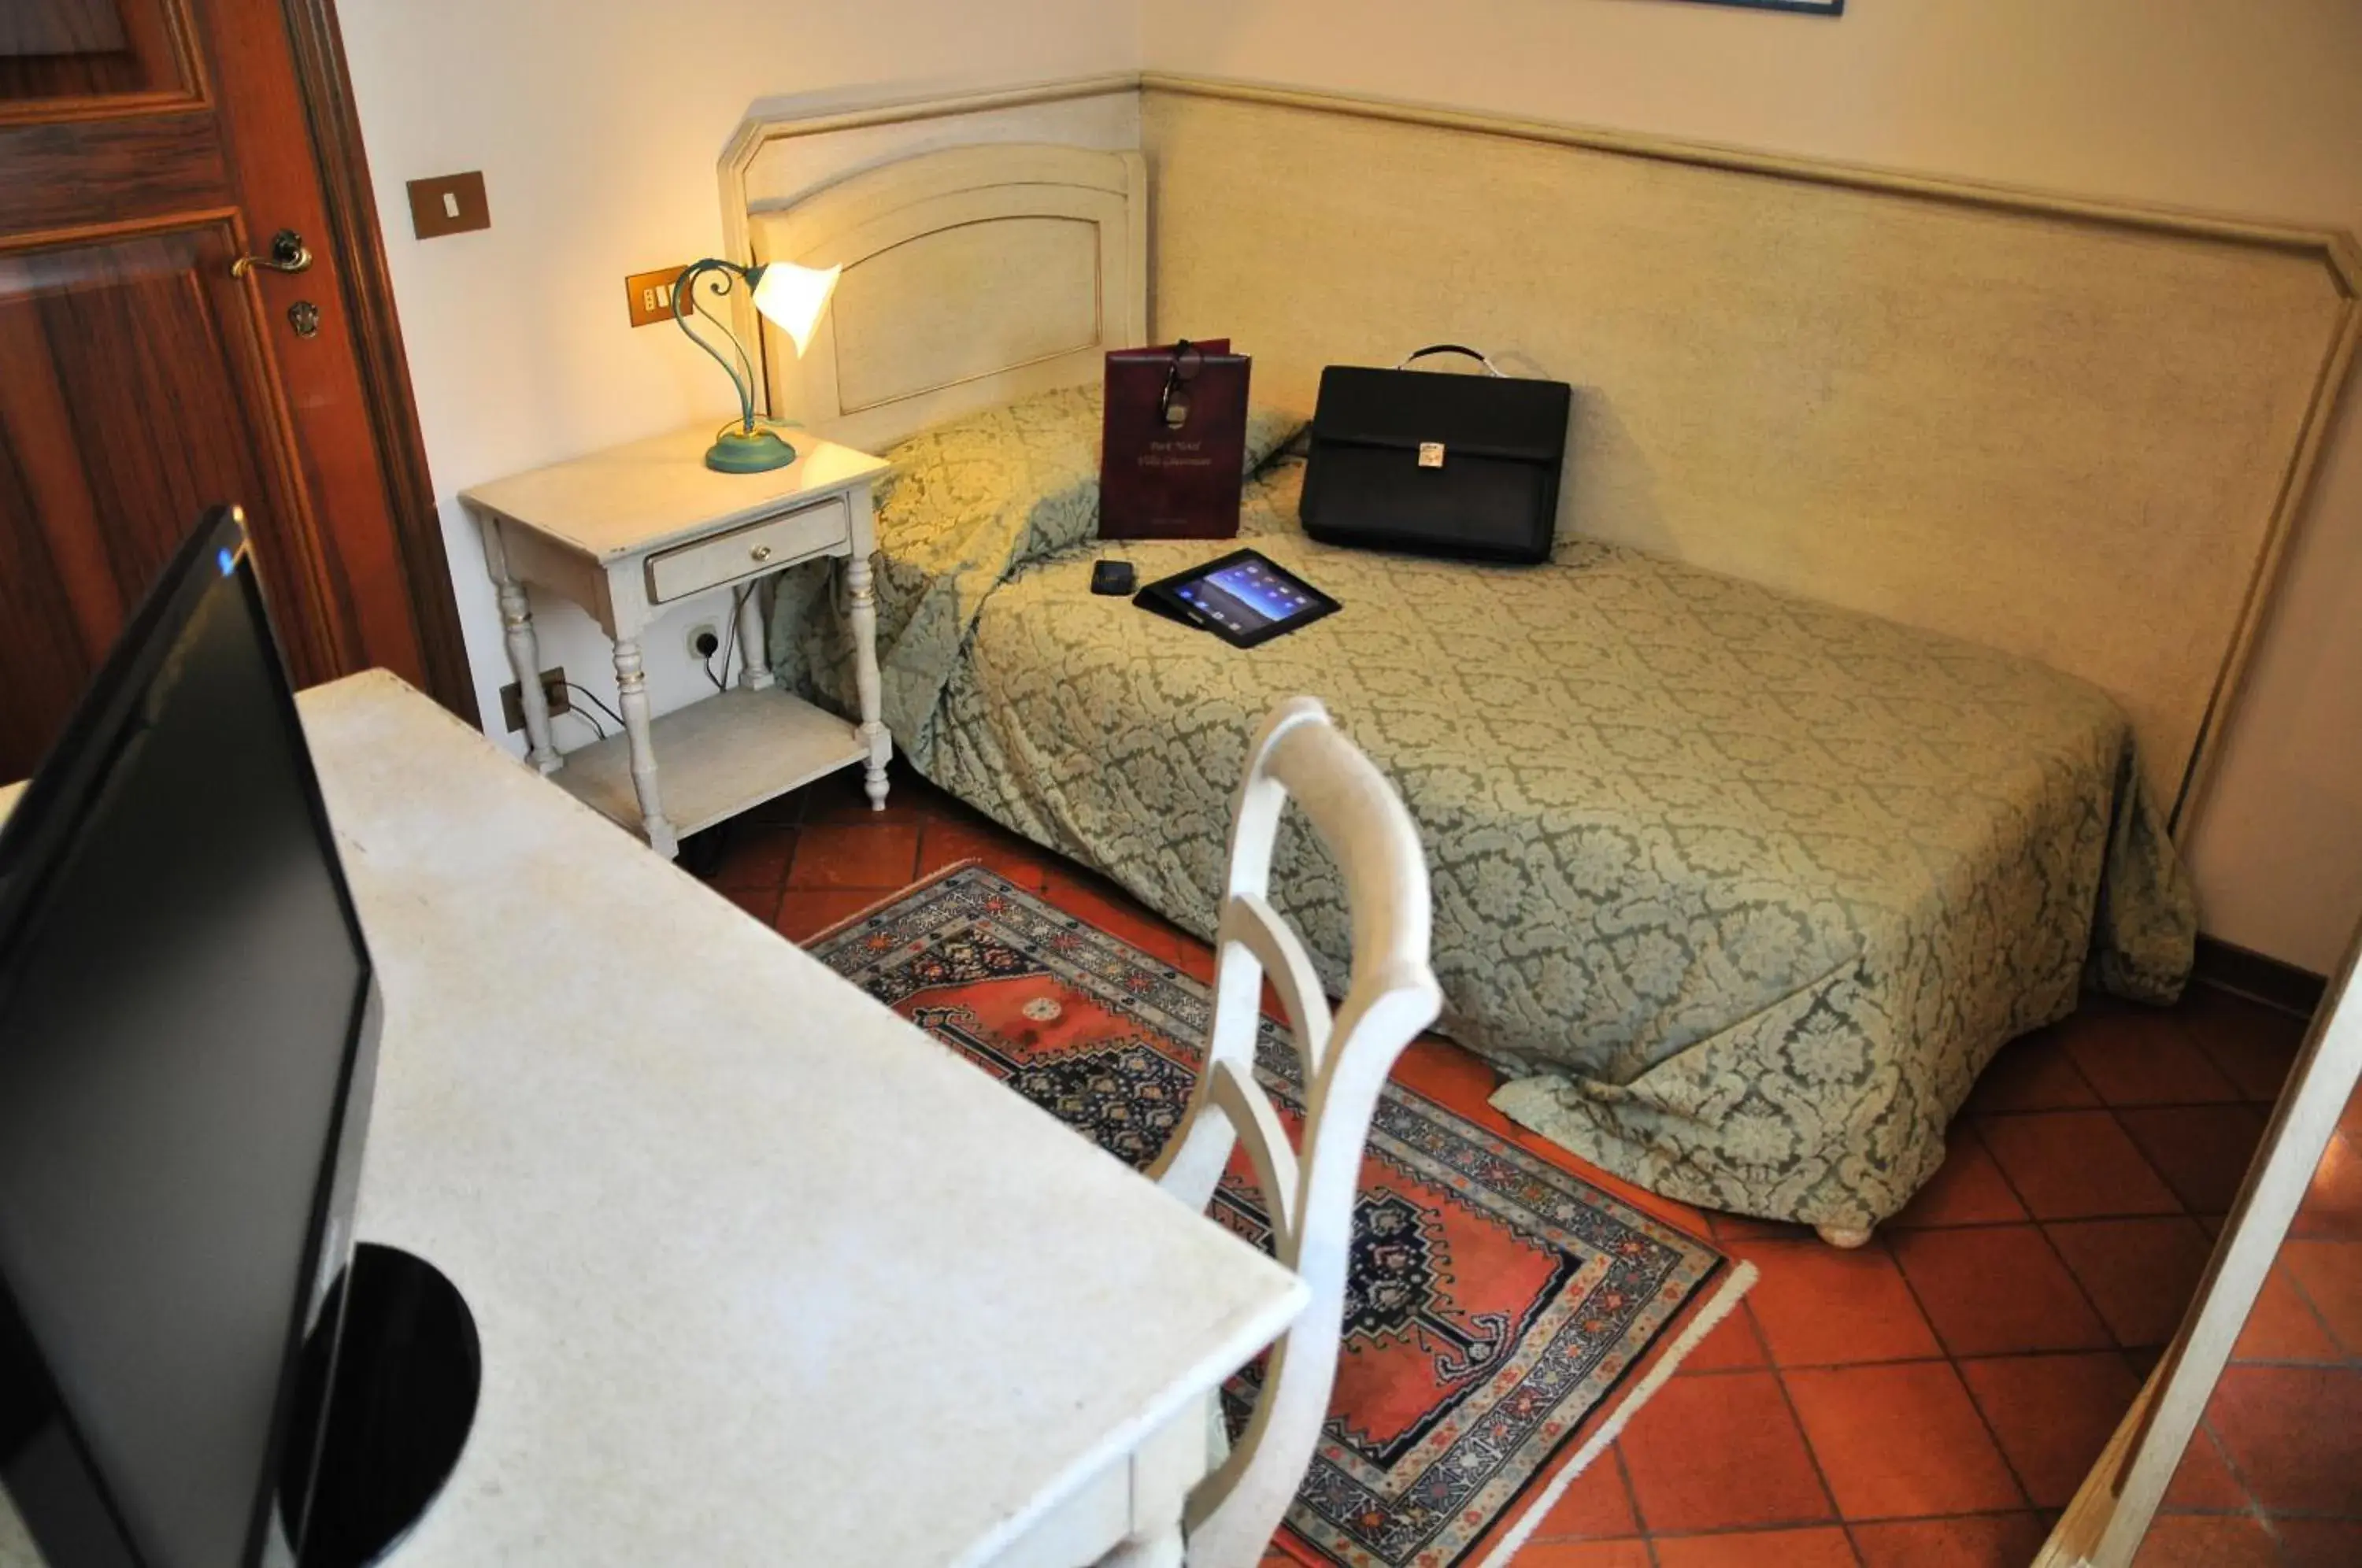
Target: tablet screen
(1242,598)
(1245,597)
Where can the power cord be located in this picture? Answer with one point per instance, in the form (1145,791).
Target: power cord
(592,698)
(728,640)
(728,643)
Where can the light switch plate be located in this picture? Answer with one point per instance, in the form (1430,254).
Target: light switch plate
(651,295)
(449,204)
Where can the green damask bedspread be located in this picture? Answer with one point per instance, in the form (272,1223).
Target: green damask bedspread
(1742,890)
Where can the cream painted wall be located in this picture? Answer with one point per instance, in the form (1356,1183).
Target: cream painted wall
(597,124)
(2252,108)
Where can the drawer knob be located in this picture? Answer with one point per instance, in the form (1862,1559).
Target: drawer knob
(761,552)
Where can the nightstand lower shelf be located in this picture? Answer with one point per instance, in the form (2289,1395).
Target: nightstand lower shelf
(719,756)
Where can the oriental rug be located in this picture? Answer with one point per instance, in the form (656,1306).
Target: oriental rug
(1497,1295)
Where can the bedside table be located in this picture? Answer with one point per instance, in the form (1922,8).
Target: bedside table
(627,532)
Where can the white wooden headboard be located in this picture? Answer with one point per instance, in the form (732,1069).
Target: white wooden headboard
(973,275)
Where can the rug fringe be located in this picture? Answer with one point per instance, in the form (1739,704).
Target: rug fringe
(1709,1318)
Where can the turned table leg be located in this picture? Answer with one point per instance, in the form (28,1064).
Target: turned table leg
(632,697)
(859,579)
(524,662)
(752,652)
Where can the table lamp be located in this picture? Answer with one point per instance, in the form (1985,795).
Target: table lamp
(791,295)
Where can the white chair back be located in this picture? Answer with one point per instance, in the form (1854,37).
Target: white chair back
(1392,996)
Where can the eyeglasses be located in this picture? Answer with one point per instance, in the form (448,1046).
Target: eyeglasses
(1173,407)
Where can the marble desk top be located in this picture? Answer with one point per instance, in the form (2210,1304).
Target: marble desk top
(763,1274)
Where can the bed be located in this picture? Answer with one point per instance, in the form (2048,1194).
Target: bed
(1741,886)
(1740,890)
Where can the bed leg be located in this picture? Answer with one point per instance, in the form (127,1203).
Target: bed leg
(1845,1237)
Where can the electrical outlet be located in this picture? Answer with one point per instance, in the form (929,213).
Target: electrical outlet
(651,295)
(553,687)
(704,640)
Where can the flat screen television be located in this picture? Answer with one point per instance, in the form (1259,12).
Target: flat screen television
(197,1370)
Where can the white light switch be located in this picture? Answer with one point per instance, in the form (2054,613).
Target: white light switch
(451,203)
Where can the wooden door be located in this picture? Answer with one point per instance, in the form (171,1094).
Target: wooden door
(145,146)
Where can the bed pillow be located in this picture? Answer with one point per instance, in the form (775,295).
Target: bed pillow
(1035,463)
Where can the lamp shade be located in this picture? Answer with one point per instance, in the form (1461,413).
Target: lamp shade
(794,296)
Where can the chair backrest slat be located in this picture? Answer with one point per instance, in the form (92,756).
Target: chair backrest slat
(1300,755)
(1344,1059)
(1248,919)
(1255,1121)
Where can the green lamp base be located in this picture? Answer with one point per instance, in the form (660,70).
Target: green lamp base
(748,452)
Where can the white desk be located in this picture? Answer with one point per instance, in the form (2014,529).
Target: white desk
(763,1274)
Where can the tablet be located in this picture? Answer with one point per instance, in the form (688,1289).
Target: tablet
(1244,599)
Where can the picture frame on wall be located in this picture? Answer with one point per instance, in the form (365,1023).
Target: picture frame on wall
(1806,7)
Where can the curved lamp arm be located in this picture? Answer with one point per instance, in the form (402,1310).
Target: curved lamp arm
(720,277)
(789,294)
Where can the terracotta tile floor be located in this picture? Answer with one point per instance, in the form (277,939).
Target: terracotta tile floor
(1933,1398)
(2274,1473)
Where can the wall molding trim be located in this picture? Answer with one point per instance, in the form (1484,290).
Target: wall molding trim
(2337,249)
(2334,251)
(815,114)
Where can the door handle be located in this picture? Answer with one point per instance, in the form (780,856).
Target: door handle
(287,254)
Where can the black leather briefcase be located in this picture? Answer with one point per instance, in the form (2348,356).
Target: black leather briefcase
(1442,465)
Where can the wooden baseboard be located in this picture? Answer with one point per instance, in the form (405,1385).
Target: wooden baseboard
(2244,972)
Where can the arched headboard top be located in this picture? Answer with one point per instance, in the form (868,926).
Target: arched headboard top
(973,275)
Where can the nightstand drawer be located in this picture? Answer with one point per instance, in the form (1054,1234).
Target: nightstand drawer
(743,552)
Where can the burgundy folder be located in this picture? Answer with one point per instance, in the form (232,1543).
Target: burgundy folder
(1173,444)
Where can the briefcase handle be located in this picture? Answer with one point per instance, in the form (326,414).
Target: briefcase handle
(1490,368)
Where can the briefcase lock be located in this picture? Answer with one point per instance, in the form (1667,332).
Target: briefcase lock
(1430,453)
